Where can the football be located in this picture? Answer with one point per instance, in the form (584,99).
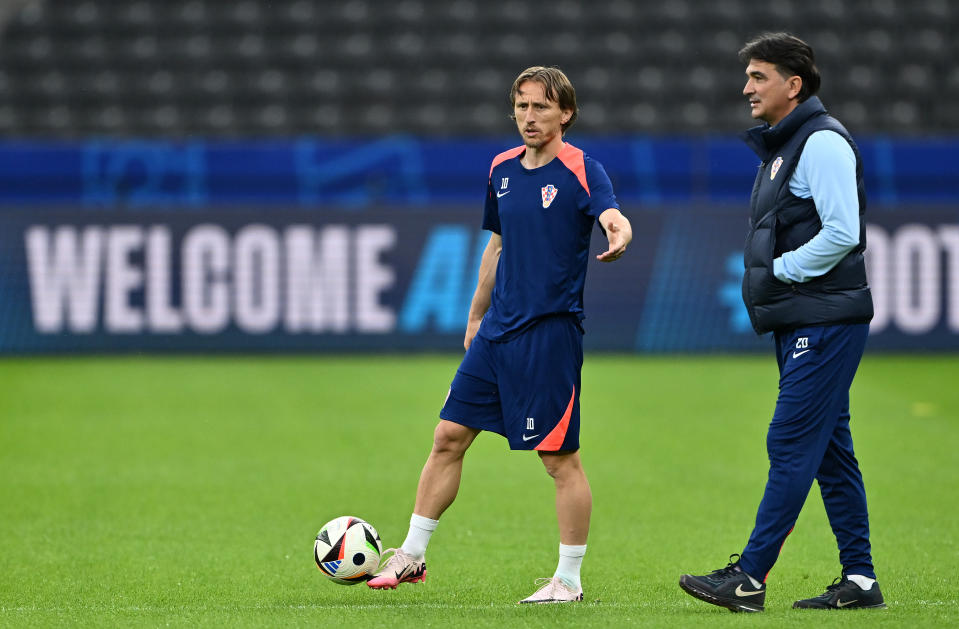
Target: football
(347,550)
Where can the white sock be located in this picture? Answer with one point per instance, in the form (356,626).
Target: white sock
(863,582)
(756,584)
(419,536)
(570,560)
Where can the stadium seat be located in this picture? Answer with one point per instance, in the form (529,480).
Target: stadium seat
(359,67)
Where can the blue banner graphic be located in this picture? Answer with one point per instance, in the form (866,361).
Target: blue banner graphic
(412,172)
(294,280)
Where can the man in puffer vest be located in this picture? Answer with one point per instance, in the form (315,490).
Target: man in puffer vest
(805,282)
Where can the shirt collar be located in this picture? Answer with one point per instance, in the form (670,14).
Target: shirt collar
(765,139)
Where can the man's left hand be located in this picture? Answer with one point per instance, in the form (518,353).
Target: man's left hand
(618,231)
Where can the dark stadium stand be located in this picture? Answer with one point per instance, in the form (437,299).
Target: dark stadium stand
(437,68)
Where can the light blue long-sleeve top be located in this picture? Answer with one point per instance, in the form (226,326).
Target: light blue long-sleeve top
(826,172)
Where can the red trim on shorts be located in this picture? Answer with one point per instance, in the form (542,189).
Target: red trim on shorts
(554,440)
(572,158)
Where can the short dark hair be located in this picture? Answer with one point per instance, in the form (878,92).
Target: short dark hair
(556,85)
(791,56)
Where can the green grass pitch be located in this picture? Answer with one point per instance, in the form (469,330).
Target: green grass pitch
(187,492)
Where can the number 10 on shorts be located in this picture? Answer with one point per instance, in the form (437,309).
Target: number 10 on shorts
(529,423)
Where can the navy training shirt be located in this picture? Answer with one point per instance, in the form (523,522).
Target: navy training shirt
(545,218)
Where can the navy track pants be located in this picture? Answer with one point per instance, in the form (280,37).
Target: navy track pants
(809,439)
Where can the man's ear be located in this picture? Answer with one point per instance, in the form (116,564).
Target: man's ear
(795,85)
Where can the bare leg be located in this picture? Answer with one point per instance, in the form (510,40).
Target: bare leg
(439,482)
(440,478)
(574,501)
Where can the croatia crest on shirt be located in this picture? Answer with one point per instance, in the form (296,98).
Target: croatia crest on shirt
(549,193)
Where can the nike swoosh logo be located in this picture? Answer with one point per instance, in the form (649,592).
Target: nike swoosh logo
(798,354)
(502,194)
(407,571)
(741,592)
(842,603)
(525,438)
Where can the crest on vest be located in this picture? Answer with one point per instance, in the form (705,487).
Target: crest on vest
(775,167)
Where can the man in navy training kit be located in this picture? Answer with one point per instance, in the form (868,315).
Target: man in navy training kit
(805,281)
(520,376)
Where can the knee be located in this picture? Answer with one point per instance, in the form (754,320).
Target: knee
(560,465)
(451,439)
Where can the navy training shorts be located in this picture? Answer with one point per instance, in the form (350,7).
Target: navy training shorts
(525,388)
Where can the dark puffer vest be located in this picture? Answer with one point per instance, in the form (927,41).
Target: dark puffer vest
(780,221)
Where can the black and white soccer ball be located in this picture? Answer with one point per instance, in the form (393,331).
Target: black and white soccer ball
(347,550)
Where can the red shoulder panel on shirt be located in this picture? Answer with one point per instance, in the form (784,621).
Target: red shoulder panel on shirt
(572,158)
(505,155)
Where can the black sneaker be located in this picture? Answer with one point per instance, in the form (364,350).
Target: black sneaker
(844,594)
(727,587)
